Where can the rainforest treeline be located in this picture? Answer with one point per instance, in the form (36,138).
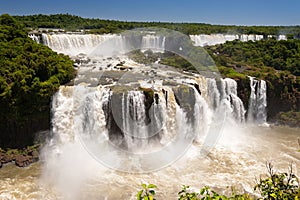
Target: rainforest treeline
(73,23)
(30,74)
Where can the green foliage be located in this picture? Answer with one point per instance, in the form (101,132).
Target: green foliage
(279,186)
(30,73)
(231,73)
(277,62)
(207,194)
(174,60)
(291,118)
(280,55)
(147,193)
(71,22)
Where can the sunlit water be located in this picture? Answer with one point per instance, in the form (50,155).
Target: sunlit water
(237,160)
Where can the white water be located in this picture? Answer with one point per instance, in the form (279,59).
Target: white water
(153,42)
(133,115)
(213,39)
(238,159)
(74,44)
(257,102)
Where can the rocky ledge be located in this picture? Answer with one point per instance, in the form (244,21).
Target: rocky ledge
(21,158)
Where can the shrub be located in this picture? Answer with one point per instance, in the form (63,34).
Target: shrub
(147,193)
(279,185)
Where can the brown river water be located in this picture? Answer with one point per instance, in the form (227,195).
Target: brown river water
(237,160)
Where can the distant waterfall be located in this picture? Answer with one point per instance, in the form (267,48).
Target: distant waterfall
(154,42)
(208,40)
(258,101)
(74,44)
(213,39)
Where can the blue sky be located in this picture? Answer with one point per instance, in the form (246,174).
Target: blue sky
(239,12)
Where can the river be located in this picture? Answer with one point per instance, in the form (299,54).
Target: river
(237,160)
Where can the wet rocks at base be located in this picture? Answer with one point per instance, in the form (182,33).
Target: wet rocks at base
(20,158)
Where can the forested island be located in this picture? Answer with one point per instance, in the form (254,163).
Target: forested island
(31,73)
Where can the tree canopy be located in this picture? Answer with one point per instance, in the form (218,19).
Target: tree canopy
(30,73)
(72,22)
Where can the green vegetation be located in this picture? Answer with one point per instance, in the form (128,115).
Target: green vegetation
(174,60)
(277,186)
(277,62)
(147,193)
(207,194)
(166,58)
(30,74)
(291,118)
(71,22)
(280,55)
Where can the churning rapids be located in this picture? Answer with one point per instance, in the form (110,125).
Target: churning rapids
(124,123)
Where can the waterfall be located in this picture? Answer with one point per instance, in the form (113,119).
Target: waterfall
(134,120)
(202,117)
(34,38)
(114,123)
(213,39)
(246,38)
(225,98)
(154,42)
(236,105)
(140,115)
(86,109)
(213,93)
(74,44)
(257,101)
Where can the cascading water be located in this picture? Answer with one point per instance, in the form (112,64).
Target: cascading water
(226,99)
(257,101)
(91,112)
(134,122)
(74,44)
(213,39)
(154,42)
(230,90)
(208,40)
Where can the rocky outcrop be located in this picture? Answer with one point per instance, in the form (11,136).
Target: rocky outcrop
(21,158)
(185,98)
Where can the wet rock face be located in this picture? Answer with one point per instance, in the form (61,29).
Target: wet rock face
(243,91)
(112,115)
(185,98)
